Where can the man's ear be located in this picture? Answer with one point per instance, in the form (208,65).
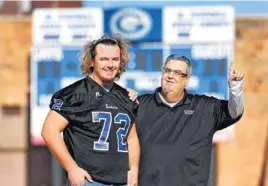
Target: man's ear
(187,80)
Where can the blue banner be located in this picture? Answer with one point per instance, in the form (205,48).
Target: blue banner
(134,24)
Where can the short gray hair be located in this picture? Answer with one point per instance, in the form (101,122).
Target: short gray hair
(180,58)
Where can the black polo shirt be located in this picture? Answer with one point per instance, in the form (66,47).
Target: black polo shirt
(176,142)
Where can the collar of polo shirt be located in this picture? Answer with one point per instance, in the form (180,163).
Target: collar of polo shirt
(186,98)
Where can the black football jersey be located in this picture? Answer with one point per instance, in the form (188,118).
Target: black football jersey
(99,122)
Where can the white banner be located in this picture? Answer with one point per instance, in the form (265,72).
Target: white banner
(66,26)
(186,25)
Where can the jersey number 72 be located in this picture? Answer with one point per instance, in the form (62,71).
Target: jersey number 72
(120,118)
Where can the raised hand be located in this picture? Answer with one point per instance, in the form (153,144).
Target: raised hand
(234,74)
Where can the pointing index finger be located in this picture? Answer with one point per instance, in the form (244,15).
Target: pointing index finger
(232,63)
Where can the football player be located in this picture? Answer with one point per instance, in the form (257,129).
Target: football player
(99,144)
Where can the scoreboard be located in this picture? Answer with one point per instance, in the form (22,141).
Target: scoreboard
(55,60)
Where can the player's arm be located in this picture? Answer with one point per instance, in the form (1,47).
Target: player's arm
(57,120)
(134,156)
(51,132)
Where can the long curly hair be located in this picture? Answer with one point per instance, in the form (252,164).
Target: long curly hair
(89,53)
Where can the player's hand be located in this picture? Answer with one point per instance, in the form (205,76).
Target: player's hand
(132,177)
(77,176)
(234,74)
(132,94)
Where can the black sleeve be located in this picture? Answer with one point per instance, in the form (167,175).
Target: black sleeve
(139,110)
(223,118)
(61,103)
(133,109)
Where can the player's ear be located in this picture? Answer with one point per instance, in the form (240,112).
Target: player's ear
(91,66)
(91,63)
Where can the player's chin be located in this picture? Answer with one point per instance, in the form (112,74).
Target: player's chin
(109,78)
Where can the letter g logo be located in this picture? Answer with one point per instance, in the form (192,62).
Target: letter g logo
(131,23)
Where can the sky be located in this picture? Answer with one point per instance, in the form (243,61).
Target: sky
(242,8)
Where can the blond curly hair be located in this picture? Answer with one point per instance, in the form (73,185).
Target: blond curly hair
(89,53)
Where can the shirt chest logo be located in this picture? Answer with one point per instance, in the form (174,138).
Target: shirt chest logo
(110,106)
(188,112)
(98,94)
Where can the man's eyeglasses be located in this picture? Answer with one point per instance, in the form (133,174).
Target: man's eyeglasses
(177,73)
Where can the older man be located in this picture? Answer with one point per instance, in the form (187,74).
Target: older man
(176,128)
